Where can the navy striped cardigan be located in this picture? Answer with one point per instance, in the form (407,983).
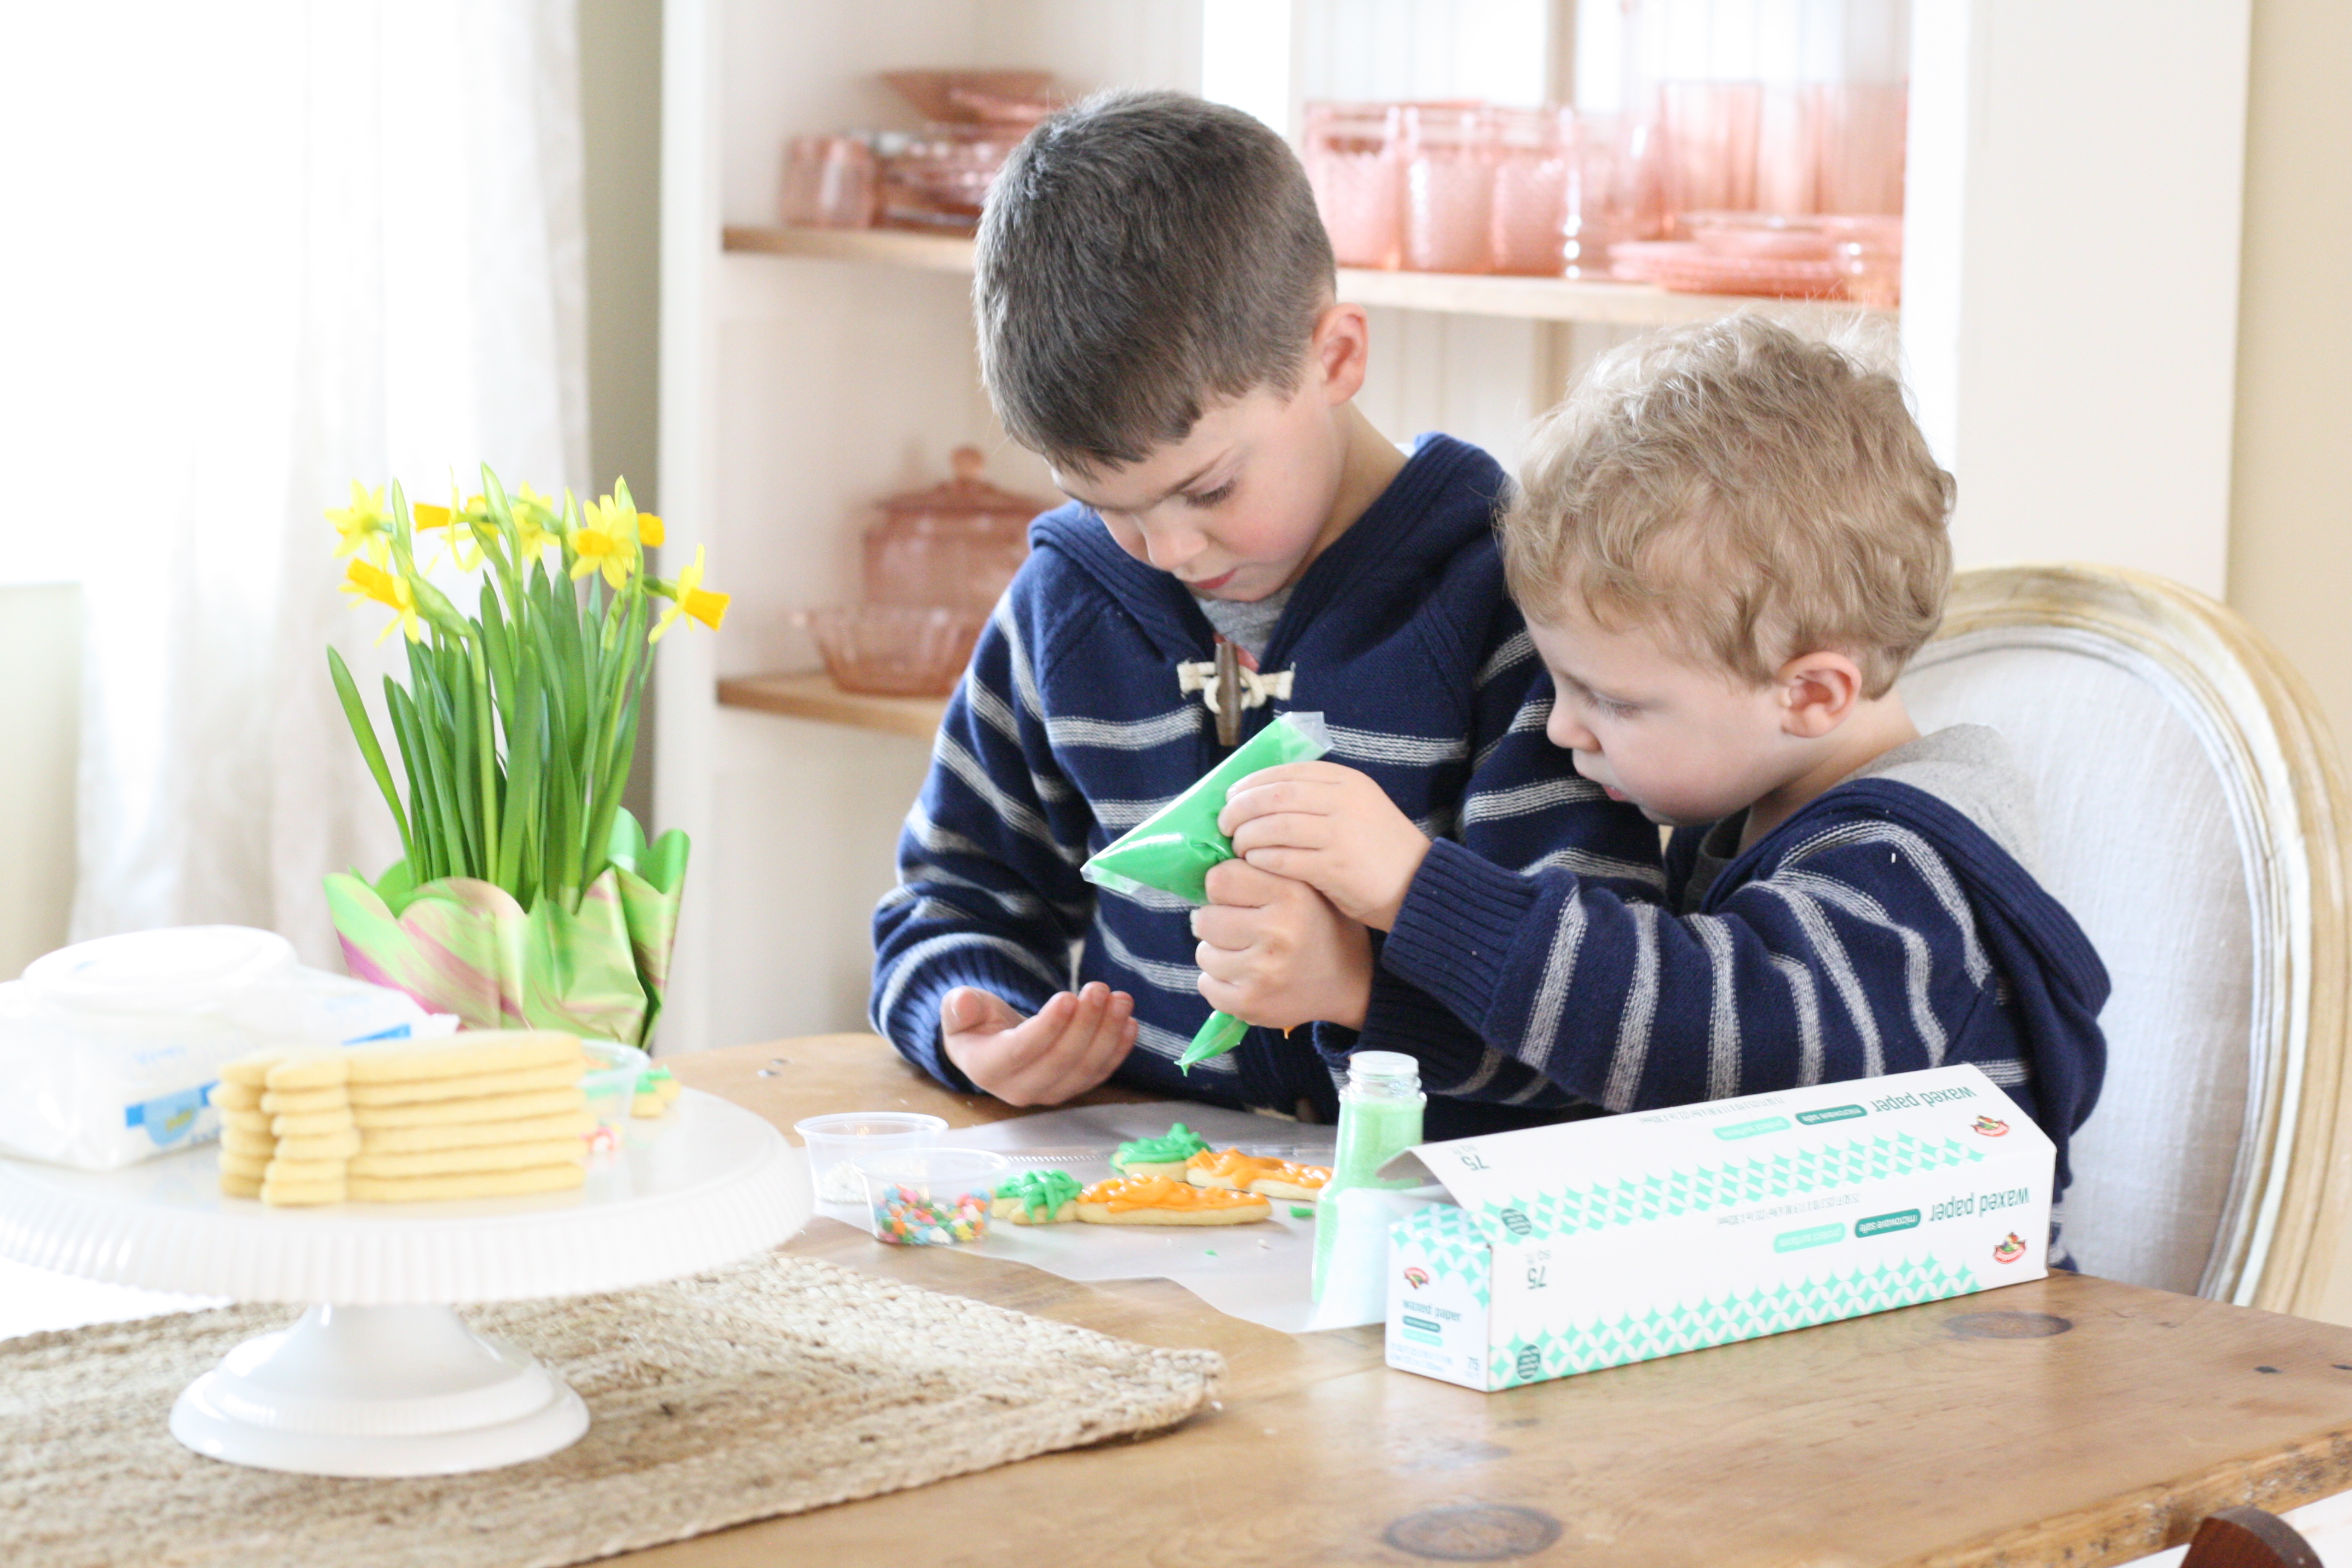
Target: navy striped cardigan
(1879,930)
(1070,726)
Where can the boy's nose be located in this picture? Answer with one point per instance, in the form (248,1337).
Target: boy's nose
(1563,730)
(1171,550)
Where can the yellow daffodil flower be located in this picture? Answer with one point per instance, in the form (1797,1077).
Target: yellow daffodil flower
(599,552)
(606,541)
(363,524)
(691,599)
(427,515)
(534,514)
(365,581)
(649,530)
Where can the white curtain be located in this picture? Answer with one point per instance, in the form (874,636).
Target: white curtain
(296,243)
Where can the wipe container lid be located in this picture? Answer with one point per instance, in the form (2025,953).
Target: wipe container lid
(176,969)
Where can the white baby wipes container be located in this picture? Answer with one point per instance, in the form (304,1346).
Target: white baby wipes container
(106,1047)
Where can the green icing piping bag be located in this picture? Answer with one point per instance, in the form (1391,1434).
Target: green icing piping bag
(1171,851)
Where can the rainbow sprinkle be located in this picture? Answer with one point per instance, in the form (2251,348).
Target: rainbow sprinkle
(908,1217)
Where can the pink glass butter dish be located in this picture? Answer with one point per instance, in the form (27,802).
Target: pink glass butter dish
(957,543)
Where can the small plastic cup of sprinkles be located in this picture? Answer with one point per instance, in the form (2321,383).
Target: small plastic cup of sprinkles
(834,1142)
(931,1197)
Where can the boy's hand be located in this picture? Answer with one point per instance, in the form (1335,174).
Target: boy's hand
(1072,1044)
(1332,828)
(1274,951)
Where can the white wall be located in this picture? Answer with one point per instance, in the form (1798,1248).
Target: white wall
(40,648)
(2291,509)
(2069,289)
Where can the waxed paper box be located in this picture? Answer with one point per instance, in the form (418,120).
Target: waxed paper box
(1597,1243)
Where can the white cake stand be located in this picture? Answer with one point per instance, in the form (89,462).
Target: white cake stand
(381,1377)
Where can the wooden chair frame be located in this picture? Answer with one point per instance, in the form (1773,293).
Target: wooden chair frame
(2282,1245)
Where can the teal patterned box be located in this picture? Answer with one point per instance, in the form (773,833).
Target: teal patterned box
(1597,1243)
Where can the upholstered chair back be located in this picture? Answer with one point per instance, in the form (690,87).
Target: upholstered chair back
(2190,804)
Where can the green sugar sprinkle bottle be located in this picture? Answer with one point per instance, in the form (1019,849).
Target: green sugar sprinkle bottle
(1379,1118)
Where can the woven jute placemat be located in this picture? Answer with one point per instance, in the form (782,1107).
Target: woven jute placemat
(770,1387)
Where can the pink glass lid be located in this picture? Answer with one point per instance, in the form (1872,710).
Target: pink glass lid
(966,493)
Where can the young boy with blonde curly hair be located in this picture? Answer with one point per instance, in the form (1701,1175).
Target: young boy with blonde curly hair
(1727,544)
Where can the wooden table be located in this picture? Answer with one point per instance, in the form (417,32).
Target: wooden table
(2072,1420)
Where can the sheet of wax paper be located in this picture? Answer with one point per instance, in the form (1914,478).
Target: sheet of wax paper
(1258,1271)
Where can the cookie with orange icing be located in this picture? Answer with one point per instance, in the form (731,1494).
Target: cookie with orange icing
(1163,1200)
(1233,1171)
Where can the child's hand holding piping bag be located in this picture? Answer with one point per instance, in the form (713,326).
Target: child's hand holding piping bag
(1332,828)
(1273,951)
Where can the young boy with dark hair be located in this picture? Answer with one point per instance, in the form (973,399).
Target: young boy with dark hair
(1727,542)
(1157,316)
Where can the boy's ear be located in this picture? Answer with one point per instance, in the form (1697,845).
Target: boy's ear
(1817,692)
(1341,350)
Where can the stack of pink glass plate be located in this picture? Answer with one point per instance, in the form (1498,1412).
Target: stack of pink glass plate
(1687,266)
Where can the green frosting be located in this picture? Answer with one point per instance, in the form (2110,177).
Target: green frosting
(1180,1143)
(1173,849)
(1042,1193)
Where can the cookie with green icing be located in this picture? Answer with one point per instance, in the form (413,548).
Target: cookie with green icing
(1163,1156)
(1037,1197)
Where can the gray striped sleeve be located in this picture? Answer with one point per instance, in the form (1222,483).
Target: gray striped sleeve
(1126,734)
(1399,751)
(1838,965)
(1926,860)
(1723,1012)
(1918,960)
(1634,1024)
(1180,978)
(1515,650)
(1552,992)
(1017,814)
(911,961)
(1526,800)
(1806,998)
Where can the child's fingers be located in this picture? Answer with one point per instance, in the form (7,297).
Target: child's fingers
(1112,1036)
(1289,865)
(1273,793)
(1229,926)
(1284,772)
(1224,998)
(1016,1050)
(1086,1055)
(1031,1065)
(1236,883)
(1093,1000)
(1283,830)
(969,1010)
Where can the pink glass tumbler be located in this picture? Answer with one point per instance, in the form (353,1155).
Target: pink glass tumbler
(828,182)
(1532,152)
(1353,165)
(1449,187)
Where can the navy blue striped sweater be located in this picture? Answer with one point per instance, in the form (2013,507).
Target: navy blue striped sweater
(1071,726)
(1880,929)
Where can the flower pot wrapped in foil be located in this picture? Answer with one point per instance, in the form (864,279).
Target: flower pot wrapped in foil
(461,945)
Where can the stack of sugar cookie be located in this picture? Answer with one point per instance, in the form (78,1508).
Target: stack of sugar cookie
(287,1127)
(485,1114)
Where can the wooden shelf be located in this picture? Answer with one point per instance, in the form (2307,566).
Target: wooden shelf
(811,694)
(1455,293)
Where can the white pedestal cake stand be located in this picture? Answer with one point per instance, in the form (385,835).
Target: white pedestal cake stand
(380,1377)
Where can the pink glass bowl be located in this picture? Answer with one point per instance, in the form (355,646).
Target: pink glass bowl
(893,650)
